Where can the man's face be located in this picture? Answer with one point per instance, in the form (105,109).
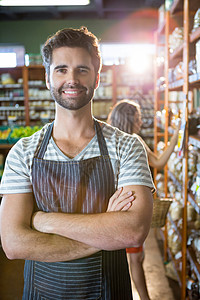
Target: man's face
(72,79)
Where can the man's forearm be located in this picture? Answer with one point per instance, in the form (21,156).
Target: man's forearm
(107,231)
(33,245)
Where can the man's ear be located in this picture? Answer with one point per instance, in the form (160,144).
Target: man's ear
(47,81)
(97,81)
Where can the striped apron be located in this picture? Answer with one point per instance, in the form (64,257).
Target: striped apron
(76,187)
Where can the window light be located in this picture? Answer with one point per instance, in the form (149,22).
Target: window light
(8,60)
(43,2)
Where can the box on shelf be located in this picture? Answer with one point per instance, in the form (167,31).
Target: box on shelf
(4,134)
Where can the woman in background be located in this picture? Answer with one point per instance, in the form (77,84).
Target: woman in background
(126,116)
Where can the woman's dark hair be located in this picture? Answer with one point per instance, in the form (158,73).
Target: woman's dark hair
(70,37)
(122,115)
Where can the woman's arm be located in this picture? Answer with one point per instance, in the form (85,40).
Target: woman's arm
(159,161)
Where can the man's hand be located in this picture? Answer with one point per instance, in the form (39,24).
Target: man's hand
(121,202)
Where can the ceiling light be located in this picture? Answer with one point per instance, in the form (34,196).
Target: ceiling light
(43,2)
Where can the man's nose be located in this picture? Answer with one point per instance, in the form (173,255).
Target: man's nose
(72,77)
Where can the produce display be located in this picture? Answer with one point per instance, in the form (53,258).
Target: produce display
(21,131)
(10,136)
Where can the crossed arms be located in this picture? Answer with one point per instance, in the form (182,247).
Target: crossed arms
(62,236)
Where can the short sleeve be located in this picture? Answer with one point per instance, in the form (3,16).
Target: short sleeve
(134,168)
(16,175)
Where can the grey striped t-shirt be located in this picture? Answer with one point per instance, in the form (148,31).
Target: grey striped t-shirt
(128,158)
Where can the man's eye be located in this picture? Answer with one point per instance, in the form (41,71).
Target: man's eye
(62,71)
(82,70)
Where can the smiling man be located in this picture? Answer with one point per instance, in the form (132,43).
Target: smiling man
(67,205)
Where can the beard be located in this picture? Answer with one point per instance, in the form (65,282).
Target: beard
(72,103)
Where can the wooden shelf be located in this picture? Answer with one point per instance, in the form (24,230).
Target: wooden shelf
(195,35)
(171,256)
(183,11)
(178,52)
(193,202)
(6,146)
(11,86)
(176,7)
(193,261)
(102,99)
(194,140)
(194,80)
(175,226)
(174,179)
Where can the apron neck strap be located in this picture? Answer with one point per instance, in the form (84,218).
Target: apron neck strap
(100,138)
(101,141)
(42,149)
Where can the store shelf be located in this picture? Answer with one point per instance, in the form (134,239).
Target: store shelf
(175,180)
(6,146)
(193,262)
(195,141)
(178,52)
(178,274)
(175,226)
(176,7)
(6,108)
(183,11)
(193,79)
(11,86)
(193,202)
(102,99)
(14,99)
(195,35)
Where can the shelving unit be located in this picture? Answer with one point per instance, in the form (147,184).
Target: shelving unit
(184,52)
(128,85)
(12,96)
(40,103)
(105,95)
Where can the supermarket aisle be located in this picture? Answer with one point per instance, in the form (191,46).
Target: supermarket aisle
(157,282)
(11,275)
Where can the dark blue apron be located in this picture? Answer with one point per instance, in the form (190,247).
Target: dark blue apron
(76,187)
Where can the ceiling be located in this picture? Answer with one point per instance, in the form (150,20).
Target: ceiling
(97,9)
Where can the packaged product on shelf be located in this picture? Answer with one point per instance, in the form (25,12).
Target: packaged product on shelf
(192,67)
(191,213)
(176,39)
(6,78)
(196,20)
(176,211)
(198,56)
(197,222)
(161,15)
(33,59)
(178,71)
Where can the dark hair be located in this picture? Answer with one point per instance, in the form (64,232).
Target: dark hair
(122,115)
(70,37)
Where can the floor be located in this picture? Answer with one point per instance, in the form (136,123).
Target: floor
(160,287)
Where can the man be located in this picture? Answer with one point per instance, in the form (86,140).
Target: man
(74,244)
